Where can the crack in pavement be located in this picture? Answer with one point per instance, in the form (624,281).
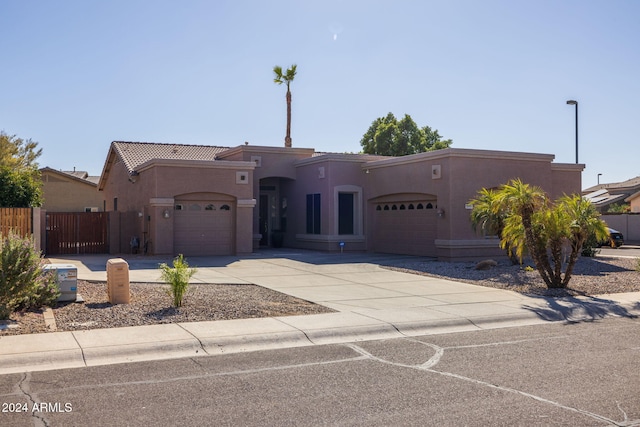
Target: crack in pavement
(39,419)
(439,353)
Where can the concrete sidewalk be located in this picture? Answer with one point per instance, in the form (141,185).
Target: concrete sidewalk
(371,303)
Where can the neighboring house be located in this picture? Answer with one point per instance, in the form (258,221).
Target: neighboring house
(70,191)
(604,195)
(207,200)
(634,201)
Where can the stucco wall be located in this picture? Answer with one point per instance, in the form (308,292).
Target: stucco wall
(65,194)
(153,191)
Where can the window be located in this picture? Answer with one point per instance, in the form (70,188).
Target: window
(313,213)
(225,208)
(345,213)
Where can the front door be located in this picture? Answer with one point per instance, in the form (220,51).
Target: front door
(264,220)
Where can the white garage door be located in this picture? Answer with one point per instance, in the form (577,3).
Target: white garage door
(405,228)
(204,227)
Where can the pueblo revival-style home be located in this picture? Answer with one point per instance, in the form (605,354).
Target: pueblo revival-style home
(207,200)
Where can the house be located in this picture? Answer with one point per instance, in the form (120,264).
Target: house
(209,200)
(634,202)
(605,195)
(70,191)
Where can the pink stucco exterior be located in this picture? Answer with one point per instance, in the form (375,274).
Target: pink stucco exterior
(413,204)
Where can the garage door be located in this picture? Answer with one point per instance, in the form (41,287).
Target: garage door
(204,227)
(405,228)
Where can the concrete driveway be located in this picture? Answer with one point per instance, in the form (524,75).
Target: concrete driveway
(371,302)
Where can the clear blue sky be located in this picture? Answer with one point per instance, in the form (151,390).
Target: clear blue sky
(496,75)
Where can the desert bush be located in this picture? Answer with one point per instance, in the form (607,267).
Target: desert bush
(23,282)
(590,247)
(177,278)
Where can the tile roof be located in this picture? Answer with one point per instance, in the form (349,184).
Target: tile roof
(133,154)
(82,176)
(630,183)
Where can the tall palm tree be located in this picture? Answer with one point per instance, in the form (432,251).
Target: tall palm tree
(286,77)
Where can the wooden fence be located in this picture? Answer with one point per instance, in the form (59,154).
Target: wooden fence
(77,233)
(18,220)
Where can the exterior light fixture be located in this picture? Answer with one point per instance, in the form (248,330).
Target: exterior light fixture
(166,214)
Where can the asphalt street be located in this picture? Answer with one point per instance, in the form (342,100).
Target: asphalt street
(574,374)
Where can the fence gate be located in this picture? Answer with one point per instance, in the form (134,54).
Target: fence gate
(77,233)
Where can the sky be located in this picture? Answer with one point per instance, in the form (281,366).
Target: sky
(488,74)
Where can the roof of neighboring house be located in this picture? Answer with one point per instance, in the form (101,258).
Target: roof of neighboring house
(80,176)
(134,154)
(616,187)
(602,197)
(633,196)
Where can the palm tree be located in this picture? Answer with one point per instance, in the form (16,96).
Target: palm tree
(488,216)
(524,201)
(547,229)
(585,221)
(287,78)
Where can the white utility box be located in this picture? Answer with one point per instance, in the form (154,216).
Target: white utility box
(67,280)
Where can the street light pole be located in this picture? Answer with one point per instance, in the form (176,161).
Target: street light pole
(572,102)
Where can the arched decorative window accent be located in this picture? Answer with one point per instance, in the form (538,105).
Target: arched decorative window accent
(178,207)
(386,207)
(225,208)
(394,208)
(429,206)
(403,207)
(209,208)
(420,206)
(411,207)
(195,207)
(378,208)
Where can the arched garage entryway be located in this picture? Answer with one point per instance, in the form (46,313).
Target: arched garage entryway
(204,224)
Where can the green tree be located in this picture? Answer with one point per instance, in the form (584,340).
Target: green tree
(545,229)
(17,153)
(20,184)
(19,189)
(286,77)
(389,136)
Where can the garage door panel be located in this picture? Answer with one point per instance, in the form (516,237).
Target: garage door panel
(204,228)
(405,231)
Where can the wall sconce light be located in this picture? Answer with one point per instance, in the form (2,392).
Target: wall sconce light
(166,214)
(140,214)
(440,212)
(133,177)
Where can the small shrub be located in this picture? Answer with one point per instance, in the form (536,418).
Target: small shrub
(590,247)
(23,282)
(528,268)
(177,278)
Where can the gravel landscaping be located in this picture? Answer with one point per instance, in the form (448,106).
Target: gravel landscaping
(150,303)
